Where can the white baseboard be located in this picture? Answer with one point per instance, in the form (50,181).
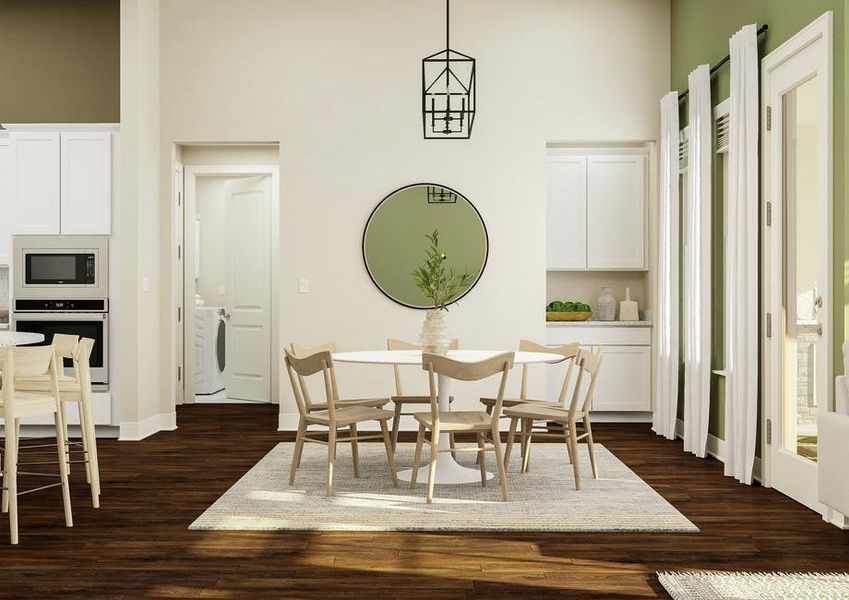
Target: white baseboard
(133,431)
(716,449)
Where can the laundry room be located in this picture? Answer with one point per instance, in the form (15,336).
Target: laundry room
(229,285)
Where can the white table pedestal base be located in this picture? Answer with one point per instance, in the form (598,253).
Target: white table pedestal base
(448,470)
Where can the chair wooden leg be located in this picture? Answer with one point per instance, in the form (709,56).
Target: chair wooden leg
(481,458)
(417,458)
(576,460)
(526,443)
(452,445)
(10,483)
(568,445)
(83,440)
(62,451)
(299,448)
(396,425)
(355,451)
(590,447)
(499,463)
(90,451)
(67,463)
(331,456)
(514,421)
(390,453)
(434,453)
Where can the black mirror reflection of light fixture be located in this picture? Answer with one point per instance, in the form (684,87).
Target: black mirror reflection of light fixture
(440,195)
(448,92)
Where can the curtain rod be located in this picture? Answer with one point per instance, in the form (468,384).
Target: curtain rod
(761,31)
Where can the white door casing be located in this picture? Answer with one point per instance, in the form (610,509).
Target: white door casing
(807,57)
(248,371)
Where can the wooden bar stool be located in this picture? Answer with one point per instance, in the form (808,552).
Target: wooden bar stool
(37,361)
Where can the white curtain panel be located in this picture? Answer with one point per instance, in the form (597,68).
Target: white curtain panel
(666,306)
(697,265)
(741,260)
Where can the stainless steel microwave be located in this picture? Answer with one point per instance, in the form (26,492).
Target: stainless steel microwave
(55,266)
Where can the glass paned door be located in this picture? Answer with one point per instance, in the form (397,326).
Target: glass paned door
(801,261)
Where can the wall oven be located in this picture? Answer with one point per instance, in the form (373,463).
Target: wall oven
(82,317)
(61,266)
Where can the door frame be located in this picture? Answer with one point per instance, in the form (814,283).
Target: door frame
(772,238)
(191,174)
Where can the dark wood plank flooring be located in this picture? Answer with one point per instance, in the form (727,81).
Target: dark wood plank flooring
(137,544)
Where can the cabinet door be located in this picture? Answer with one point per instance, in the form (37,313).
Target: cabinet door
(86,183)
(566,212)
(624,380)
(36,174)
(7,200)
(616,211)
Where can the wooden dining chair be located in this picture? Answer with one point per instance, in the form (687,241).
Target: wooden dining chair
(17,405)
(484,425)
(569,352)
(74,388)
(402,401)
(302,352)
(560,422)
(336,416)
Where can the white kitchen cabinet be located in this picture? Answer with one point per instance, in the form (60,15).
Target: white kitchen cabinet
(597,210)
(36,182)
(566,206)
(61,180)
(616,211)
(7,203)
(624,381)
(86,188)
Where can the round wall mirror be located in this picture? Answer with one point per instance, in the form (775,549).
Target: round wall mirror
(395,241)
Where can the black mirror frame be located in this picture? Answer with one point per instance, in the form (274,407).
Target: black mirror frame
(389,195)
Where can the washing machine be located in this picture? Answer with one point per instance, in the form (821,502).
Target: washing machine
(210,343)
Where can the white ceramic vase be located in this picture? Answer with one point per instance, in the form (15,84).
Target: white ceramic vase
(605,309)
(434,335)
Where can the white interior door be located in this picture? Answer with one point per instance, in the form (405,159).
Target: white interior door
(248,360)
(798,251)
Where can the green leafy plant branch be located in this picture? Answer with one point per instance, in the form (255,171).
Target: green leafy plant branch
(438,281)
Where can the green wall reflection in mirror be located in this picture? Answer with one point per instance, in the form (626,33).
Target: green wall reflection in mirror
(394,242)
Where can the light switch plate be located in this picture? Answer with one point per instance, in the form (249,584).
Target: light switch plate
(303,285)
(222,290)
(145,284)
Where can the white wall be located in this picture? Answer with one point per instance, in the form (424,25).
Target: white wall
(338,85)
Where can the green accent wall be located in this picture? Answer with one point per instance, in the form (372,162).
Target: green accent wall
(60,61)
(700,33)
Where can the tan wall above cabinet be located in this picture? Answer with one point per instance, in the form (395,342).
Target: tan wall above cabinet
(597,210)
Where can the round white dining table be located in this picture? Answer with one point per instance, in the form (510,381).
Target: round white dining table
(447,469)
(19,338)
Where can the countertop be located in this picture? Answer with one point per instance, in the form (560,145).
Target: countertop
(592,323)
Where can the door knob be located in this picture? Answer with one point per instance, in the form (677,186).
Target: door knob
(227,316)
(819,329)
(818,302)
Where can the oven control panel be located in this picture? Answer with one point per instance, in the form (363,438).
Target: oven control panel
(70,305)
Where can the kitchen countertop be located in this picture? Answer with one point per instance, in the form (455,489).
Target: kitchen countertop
(592,323)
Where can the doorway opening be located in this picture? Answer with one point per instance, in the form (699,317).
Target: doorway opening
(227,273)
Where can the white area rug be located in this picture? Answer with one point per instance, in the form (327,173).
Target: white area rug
(542,500)
(755,586)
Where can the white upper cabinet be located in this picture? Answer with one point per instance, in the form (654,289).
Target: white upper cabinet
(616,212)
(61,181)
(36,182)
(596,210)
(566,212)
(7,201)
(86,191)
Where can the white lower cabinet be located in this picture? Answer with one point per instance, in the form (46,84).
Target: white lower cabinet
(624,381)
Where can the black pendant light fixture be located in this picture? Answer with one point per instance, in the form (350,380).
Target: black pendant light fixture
(448,91)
